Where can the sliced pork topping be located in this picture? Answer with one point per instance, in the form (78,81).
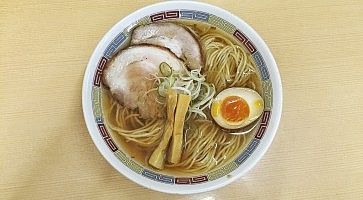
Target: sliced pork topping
(129,77)
(174,37)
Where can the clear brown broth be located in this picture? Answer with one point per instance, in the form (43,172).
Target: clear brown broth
(141,154)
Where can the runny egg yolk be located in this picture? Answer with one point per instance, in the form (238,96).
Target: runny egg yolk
(234,109)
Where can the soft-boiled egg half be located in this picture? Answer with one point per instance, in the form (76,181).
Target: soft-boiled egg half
(236,107)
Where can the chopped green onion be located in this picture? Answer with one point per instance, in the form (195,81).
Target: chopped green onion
(189,82)
(165,69)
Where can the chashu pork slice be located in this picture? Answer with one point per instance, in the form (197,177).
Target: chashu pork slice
(174,37)
(129,74)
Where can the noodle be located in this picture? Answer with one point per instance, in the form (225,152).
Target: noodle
(207,146)
(227,64)
(128,124)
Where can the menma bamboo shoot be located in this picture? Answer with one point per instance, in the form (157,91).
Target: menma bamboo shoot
(176,146)
(157,158)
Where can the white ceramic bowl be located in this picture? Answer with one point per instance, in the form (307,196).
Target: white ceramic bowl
(171,11)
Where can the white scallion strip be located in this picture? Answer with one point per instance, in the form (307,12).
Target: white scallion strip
(191,83)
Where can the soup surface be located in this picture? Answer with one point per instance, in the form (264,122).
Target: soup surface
(206,145)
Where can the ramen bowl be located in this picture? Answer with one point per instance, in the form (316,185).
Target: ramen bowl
(258,141)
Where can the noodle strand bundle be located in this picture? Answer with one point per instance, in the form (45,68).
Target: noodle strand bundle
(201,144)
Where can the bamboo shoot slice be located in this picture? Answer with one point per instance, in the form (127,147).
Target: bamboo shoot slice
(176,146)
(157,158)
